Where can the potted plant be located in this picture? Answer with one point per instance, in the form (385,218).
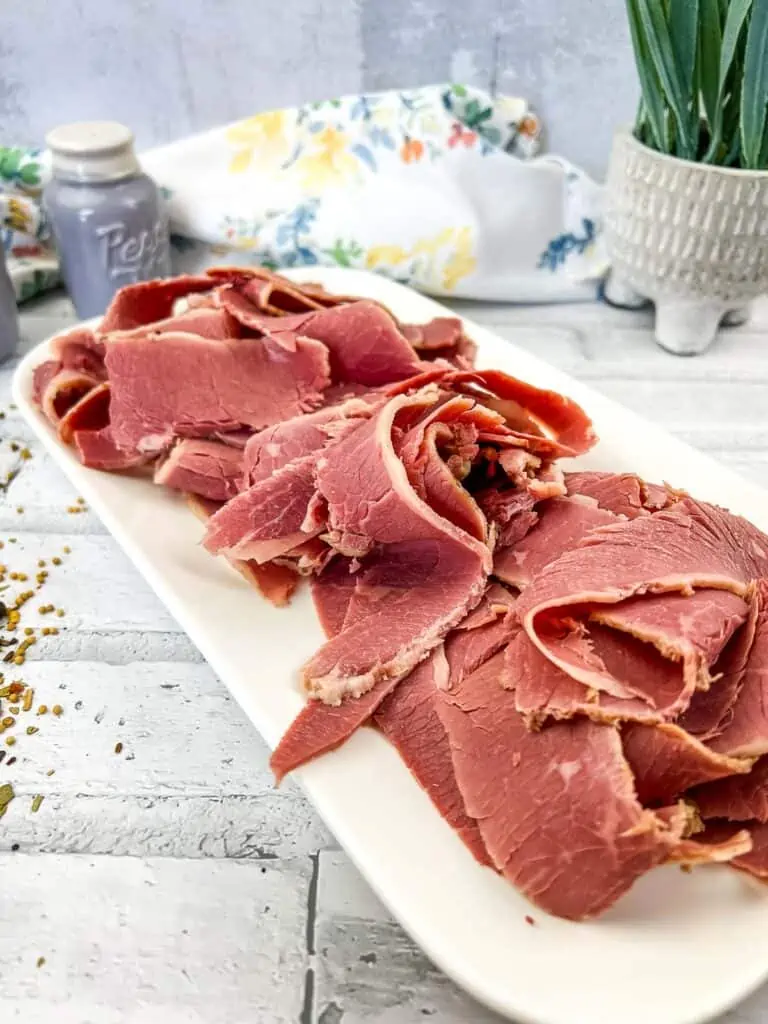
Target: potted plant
(686,221)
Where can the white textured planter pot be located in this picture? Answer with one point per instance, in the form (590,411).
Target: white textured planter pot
(691,237)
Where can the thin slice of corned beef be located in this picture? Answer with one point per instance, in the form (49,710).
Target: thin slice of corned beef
(562,522)
(208,468)
(147,301)
(80,350)
(90,413)
(557,808)
(743,731)
(687,546)
(186,386)
(738,798)
(511,513)
(365,344)
(97,450)
(276,583)
(62,390)
(409,719)
(625,494)
(666,761)
(442,338)
(373,507)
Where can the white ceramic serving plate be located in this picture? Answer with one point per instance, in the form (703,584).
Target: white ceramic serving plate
(679,949)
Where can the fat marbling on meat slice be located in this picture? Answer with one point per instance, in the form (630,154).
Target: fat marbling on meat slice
(182,385)
(209,468)
(620,573)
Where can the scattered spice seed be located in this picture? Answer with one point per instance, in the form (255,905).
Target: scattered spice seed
(11,540)
(8,722)
(10,761)
(51,771)
(14,447)
(28,631)
(41,563)
(118,748)
(36,803)
(20,510)
(25,453)
(56,560)
(60,612)
(57,709)
(529,919)
(66,549)
(42,709)
(2,756)
(40,961)
(14,710)
(6,795)
(10,742)
(31,730)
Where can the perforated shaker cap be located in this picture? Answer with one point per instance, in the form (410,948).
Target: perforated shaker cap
(92,151)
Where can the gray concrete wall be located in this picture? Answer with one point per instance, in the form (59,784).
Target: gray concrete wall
(170,67)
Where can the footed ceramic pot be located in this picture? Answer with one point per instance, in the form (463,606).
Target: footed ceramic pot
(692,238)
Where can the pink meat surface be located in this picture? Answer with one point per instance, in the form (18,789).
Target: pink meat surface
(208,468)
(80,350)
(90,413)
(562,522)
(740,798)
(623,493)
(97,450)
(510,512)
(690,545)
(184,385)
(423,573)
(556,808)
(365,344)
(148,301)
(667,761)
(743,731)
(753,861)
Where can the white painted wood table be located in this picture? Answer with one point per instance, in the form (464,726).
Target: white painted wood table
(170,883)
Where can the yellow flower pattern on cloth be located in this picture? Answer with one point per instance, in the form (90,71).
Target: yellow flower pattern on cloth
(397,182)
(261,140)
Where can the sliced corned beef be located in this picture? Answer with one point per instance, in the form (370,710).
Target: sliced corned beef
(267,519)
(743,729)
(557,808)
(753,860)
(562,522)
(710,709)
(666,761)
(138,304)
(208,468)
(623,493)
(442,338)
(510,511)
(365,344)
(62,390)
(184,385)
(738,798)
(276,583)
(90,413)
(689,545)
(97,450)
(80,350)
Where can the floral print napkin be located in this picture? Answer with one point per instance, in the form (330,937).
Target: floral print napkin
(439,187)
(29,253)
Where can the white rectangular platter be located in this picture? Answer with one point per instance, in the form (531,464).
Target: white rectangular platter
(679,949)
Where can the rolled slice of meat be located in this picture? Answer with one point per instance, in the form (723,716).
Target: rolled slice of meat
(676,581)
(208,468)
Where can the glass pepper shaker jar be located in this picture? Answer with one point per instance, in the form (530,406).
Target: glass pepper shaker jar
(106,214)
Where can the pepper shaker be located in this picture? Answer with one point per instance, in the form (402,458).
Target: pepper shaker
(106,214)
(9,321)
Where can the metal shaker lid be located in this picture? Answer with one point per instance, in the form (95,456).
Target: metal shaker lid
(92,151)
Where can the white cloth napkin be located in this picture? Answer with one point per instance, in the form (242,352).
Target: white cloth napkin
(438,187)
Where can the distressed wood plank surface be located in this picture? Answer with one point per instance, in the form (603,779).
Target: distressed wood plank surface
(171,881)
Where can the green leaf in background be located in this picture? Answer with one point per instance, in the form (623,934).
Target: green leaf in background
(652,112)
(754,92)
(734,22)
(659,42)
(710,40)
